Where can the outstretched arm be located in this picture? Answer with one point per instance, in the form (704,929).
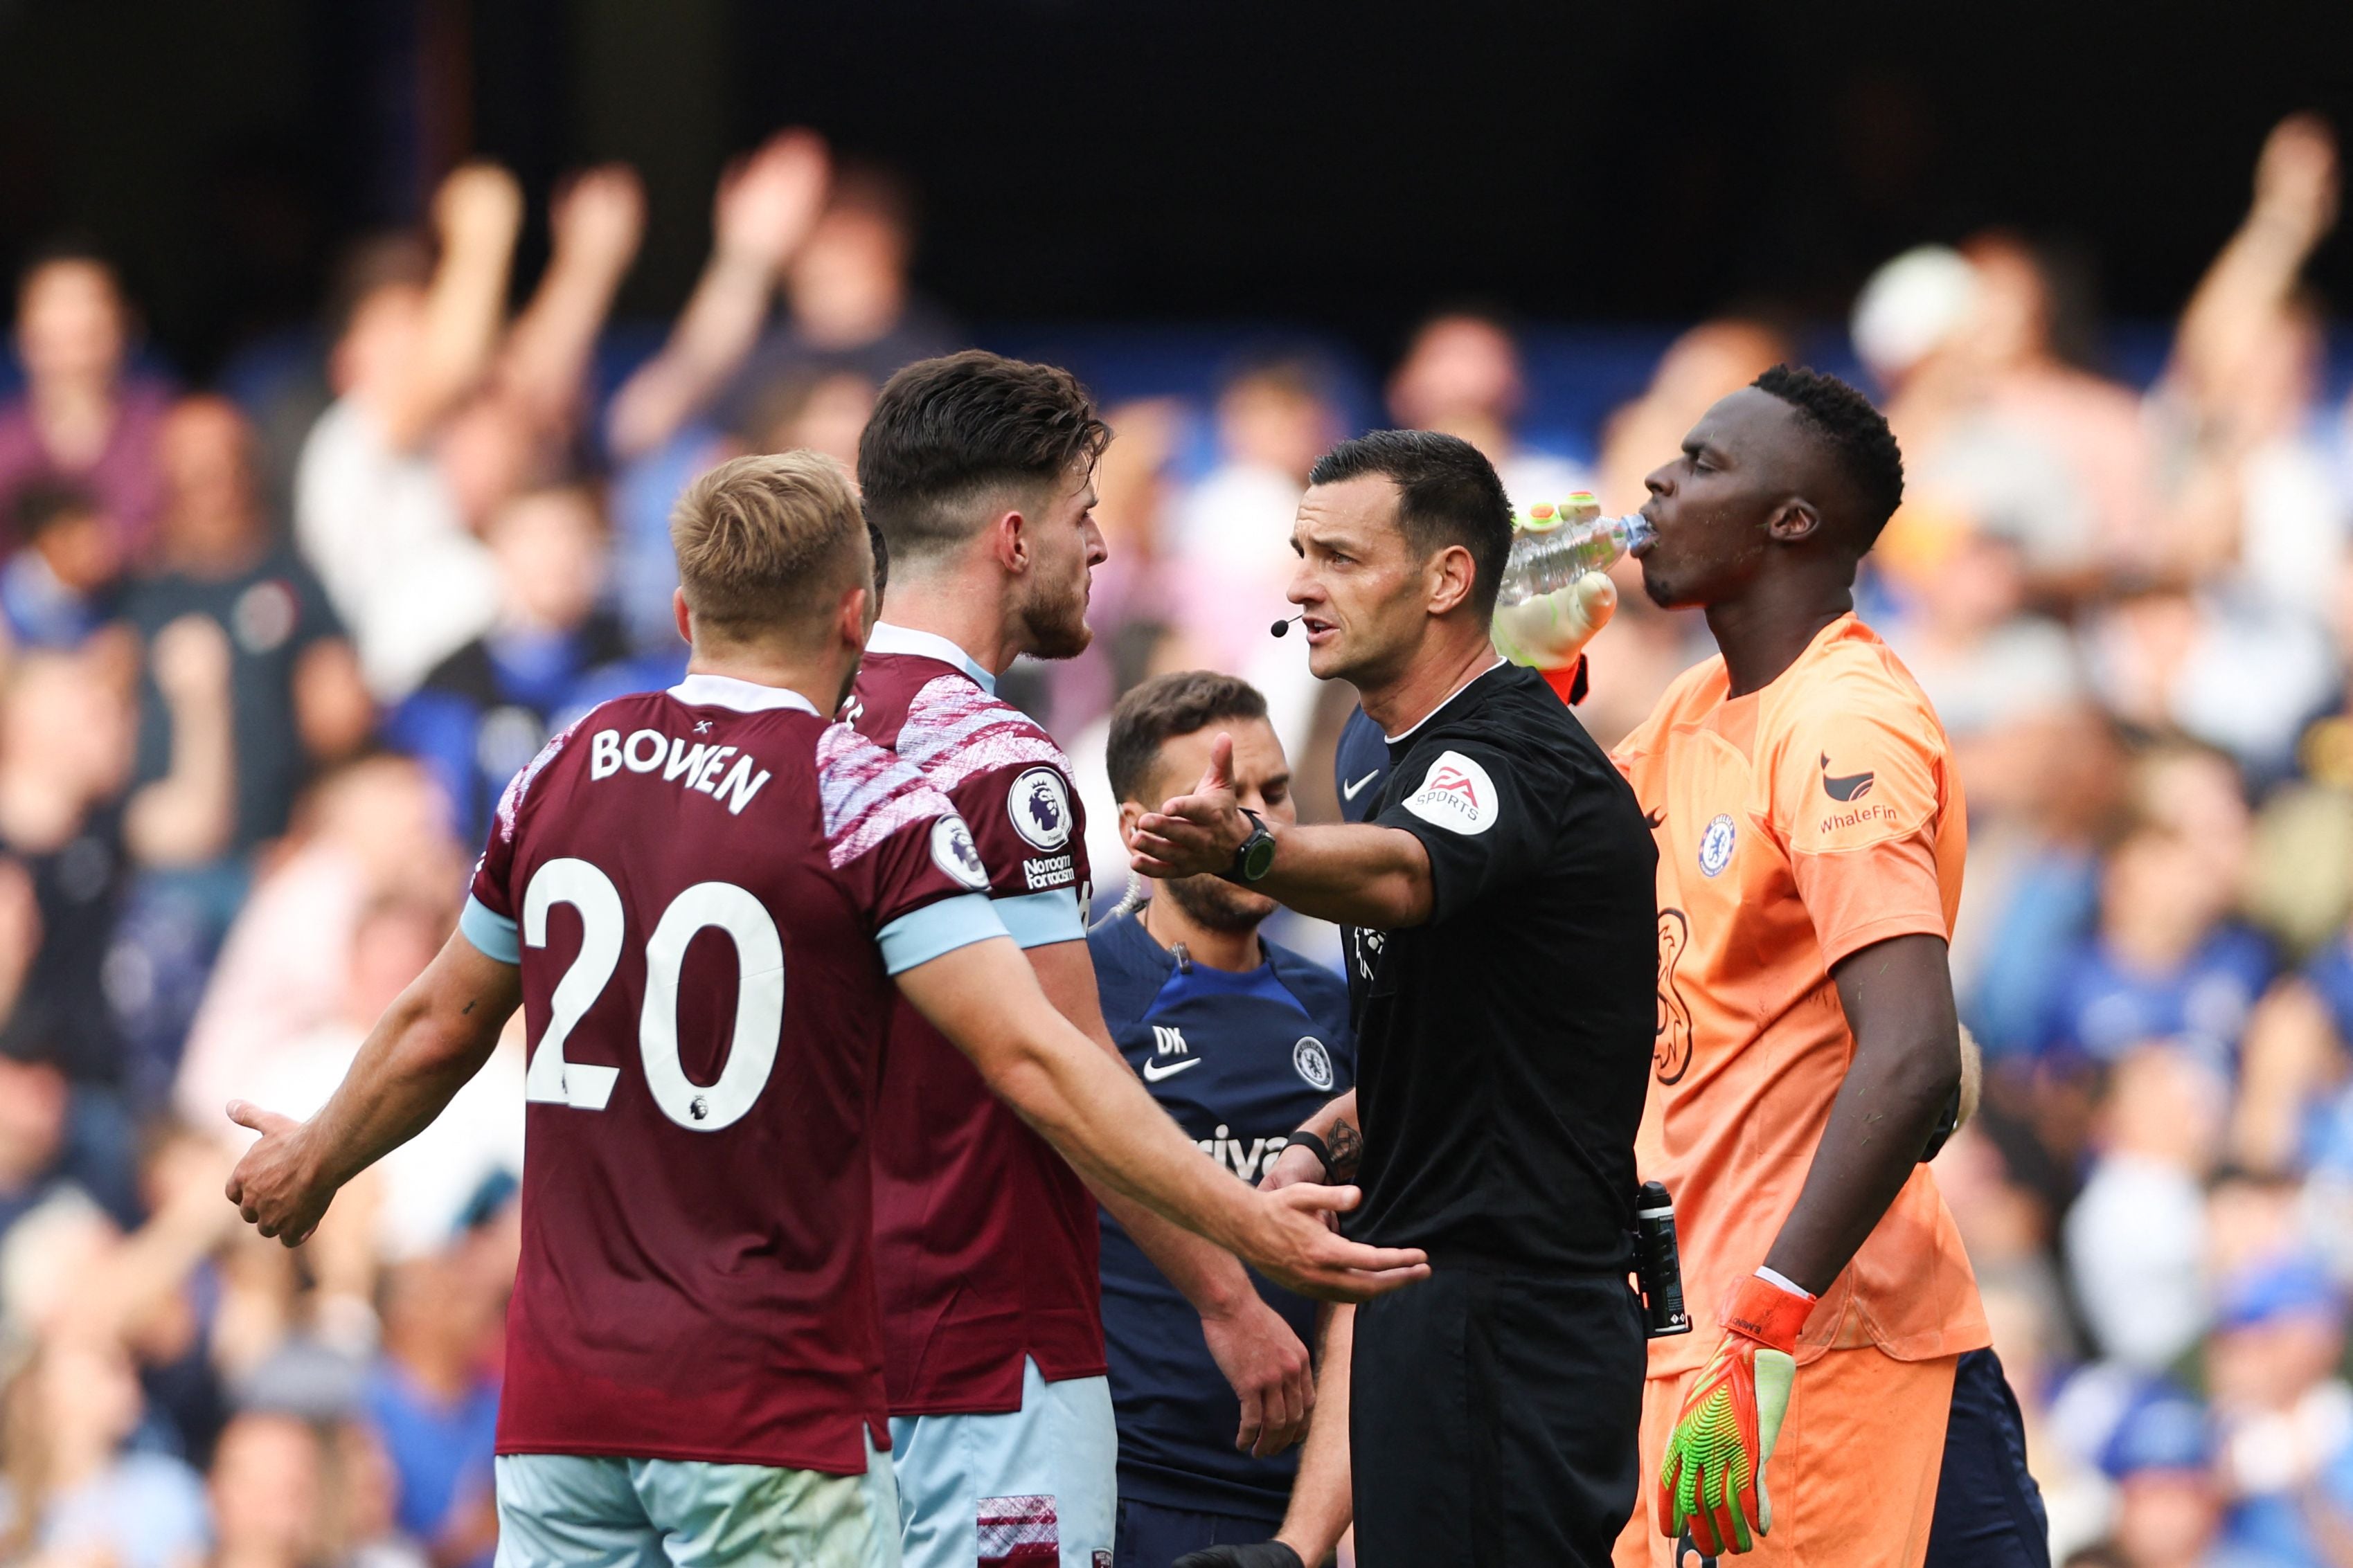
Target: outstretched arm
(2293,209)
(187,817)
(2236,310)
(476,214)
(434,1037)
(983,997)
(1253,1347)
(1360,875)
(597,219)
(1898,996)
(766,206)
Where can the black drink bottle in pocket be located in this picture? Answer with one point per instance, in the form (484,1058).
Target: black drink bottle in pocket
(1657,1263)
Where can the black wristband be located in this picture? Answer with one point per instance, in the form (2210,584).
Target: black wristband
(1265,1554)
(1303,1139)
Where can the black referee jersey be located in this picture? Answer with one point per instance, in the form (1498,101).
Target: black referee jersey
(1504,1044)
(1503,1048)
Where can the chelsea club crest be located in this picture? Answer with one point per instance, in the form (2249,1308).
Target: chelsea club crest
(1715,846)
(1313,1061)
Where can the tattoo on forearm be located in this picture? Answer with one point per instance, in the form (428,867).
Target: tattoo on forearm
(1347,1152)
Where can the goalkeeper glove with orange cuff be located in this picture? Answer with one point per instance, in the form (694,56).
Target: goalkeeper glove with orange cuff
(1713,1482)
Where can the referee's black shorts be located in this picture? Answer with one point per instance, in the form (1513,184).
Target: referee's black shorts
(1496,1419)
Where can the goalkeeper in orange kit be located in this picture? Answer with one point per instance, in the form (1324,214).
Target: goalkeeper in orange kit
(1837,1404)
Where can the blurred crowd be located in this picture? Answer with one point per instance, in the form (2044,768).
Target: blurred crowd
(266,661)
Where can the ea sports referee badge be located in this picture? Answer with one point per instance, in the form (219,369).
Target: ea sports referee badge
(1456,794)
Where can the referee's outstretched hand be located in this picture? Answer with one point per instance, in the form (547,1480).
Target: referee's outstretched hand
(1294,1247)
(1195,834)
(1263,1554)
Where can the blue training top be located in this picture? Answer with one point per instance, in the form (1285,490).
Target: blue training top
(1239,1061)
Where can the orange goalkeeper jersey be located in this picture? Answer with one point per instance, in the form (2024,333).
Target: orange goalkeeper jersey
(1796,825)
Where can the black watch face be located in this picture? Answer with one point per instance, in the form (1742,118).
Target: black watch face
(1258,856)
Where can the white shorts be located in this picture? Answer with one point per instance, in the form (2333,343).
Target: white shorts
(573,1511)
(979,1491)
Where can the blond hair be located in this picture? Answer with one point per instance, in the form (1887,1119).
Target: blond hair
(766,544)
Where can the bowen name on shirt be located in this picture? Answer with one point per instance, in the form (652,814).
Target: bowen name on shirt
(697,766)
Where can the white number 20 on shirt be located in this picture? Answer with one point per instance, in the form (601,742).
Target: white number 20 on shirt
(759,995)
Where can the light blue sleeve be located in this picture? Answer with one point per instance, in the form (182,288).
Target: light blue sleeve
(490,931)
(1038,919)
(920,935)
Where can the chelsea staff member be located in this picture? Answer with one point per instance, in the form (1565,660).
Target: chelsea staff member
(1240,1040)
(1494,1407)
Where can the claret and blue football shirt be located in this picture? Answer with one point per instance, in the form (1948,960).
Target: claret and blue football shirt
(985,1238)
(707,892)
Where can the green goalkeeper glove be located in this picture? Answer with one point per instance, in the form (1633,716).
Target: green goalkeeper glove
(1713,1482)
(1549,631)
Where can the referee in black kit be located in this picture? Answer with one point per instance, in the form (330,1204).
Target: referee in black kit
(1503,977)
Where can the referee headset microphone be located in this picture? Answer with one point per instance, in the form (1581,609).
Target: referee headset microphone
(1282,627)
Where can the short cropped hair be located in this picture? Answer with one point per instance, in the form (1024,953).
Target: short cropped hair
(948,435)
(1856,434)
(1447,494)
(1164,708)
(763,543)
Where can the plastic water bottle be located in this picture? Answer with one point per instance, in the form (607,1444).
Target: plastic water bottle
(1549,551)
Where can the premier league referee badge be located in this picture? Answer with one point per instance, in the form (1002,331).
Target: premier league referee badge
(1715,846)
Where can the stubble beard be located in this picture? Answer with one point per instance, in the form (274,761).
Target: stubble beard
(1058,627)
(1217,904)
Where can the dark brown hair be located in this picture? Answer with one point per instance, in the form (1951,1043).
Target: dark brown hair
(948,433)
(1447,494)
(1164,708)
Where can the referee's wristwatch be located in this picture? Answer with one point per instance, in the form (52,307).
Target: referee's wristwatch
(1255,858)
